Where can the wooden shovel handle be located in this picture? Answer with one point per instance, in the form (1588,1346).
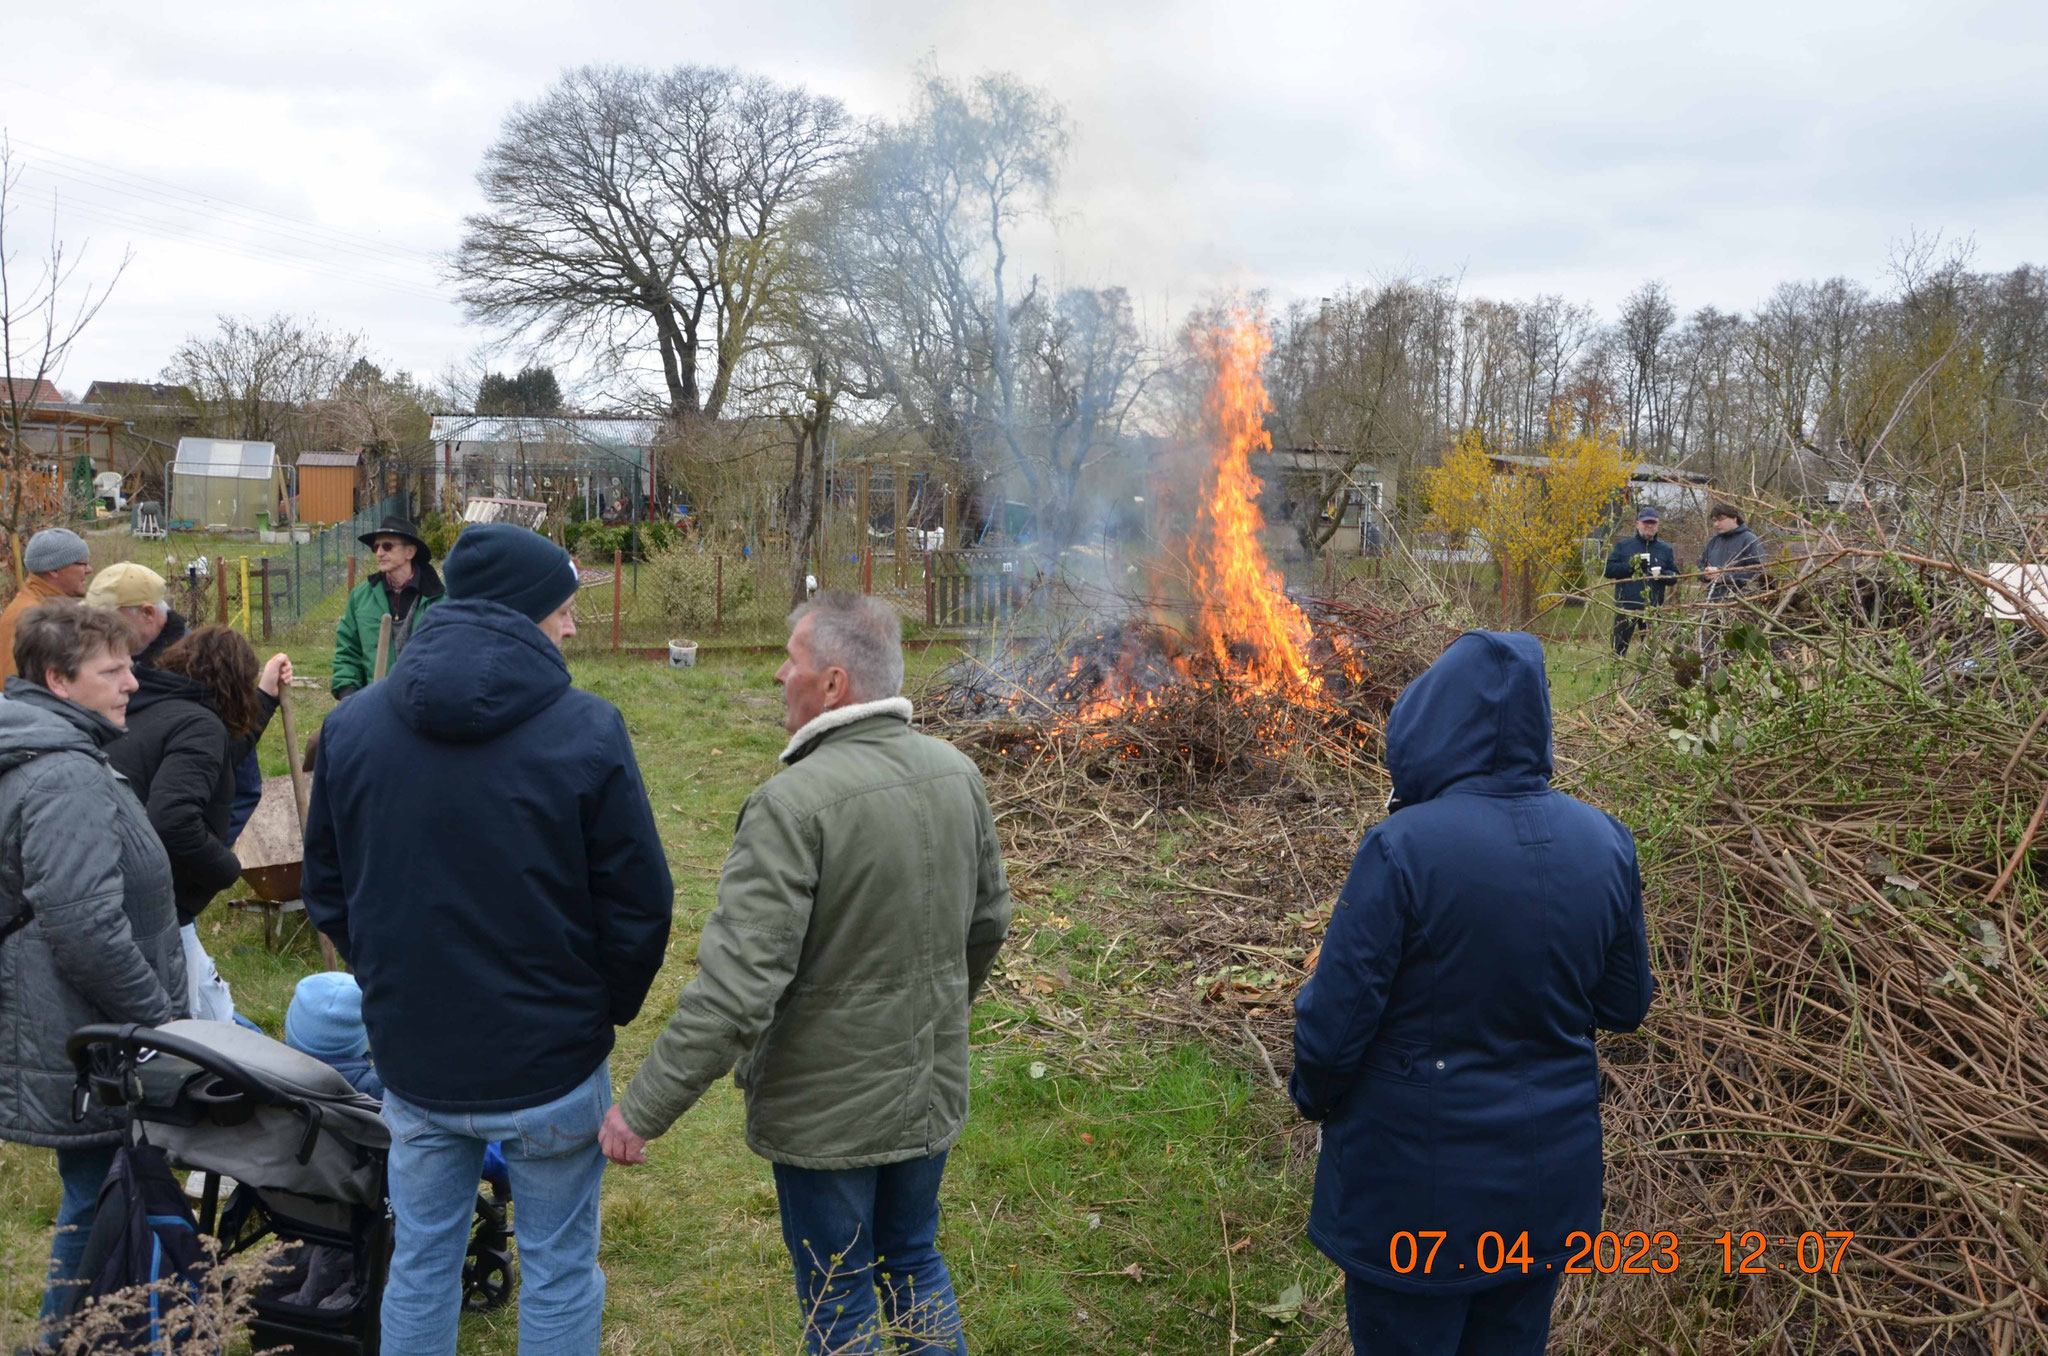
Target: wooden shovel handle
(301,797)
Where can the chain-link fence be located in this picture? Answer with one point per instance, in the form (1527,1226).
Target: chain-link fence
(724,595)
(266,595)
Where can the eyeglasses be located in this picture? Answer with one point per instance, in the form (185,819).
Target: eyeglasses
(386,545)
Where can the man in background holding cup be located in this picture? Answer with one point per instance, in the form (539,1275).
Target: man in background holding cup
(1645,567)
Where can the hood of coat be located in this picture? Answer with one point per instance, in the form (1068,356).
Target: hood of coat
(35,721)
(1482,710)
(474,670)
(153,685)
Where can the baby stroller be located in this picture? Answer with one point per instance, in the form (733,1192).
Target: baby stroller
(306,1153)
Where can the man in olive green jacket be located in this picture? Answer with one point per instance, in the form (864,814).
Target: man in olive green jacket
(859,912)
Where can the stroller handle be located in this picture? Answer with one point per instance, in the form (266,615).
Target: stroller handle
(133,1039)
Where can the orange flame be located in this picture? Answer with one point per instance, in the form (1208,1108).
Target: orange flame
(1244,618)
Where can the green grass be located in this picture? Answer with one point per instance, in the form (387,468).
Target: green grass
(1086,1208)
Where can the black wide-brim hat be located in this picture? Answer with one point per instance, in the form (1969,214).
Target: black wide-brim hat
(395,526)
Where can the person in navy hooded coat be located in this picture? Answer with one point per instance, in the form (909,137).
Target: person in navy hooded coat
(1489,924)
(480,848)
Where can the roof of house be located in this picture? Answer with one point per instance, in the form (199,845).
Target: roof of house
(138,393)
(31,391)
(580,434)
(225,459)
(1312,459)
(1643,470)
(349,459)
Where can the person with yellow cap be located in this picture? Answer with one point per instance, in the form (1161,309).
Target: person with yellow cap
(140,595)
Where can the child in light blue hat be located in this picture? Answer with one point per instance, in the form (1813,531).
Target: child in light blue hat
(325,1020)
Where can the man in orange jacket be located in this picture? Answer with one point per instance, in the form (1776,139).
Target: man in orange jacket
(56,564)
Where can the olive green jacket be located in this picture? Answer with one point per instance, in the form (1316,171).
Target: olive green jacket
(355,636)
(859,912)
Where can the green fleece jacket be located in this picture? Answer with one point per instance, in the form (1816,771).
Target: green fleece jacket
(355,636)
(859,912)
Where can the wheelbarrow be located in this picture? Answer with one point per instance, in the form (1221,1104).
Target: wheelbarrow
(271,850)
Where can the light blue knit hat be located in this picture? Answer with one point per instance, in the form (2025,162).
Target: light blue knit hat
(325,1019)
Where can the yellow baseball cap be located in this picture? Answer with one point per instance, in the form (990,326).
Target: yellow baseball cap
(126,585)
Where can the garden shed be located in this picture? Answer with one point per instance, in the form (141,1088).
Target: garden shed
(329,486)
(217,482)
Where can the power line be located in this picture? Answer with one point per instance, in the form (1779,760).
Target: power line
(178,232)
(161,202)
(87,169)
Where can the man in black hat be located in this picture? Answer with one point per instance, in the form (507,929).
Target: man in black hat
(403,588)
(1645,567)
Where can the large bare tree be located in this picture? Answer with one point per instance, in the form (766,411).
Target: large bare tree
(632,211)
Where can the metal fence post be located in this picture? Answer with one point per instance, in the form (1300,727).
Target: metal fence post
(618,569)
(718,565)
(220,591)
(266,597)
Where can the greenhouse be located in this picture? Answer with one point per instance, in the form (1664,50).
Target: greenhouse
(220,483)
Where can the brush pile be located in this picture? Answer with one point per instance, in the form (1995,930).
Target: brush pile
(1838,789)
(1219,815)
(1134,703)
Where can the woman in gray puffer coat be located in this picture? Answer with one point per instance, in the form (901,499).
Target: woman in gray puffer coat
(86,905)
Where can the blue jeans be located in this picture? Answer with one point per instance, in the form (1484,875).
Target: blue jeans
(1510,1319)
(851,1230)
(83,1172)
(436,1159)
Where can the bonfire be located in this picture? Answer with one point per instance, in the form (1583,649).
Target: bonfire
(1223,674)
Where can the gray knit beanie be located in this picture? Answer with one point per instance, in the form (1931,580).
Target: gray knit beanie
(52,549)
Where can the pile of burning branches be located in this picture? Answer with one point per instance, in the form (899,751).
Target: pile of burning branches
(1838,787)
(1139,702)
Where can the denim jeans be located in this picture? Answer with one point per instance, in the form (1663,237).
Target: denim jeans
(83,1172)
(852,1230)
(436,1160)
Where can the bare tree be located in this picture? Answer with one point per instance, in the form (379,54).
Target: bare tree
(630,209)
(259,379)
(41,318)
(913,257)
(1344,381)
(1646,318)
(378,413)
(1086,368)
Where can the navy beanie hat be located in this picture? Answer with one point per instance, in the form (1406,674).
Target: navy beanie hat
(511,565)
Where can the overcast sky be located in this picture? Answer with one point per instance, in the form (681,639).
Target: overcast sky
(1570,146)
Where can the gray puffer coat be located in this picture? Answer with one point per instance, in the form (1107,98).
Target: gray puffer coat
(102,942)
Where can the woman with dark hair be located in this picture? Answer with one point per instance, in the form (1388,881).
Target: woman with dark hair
(195,713)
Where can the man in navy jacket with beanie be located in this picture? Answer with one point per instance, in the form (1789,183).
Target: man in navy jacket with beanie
(481,850)
(1489,924)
